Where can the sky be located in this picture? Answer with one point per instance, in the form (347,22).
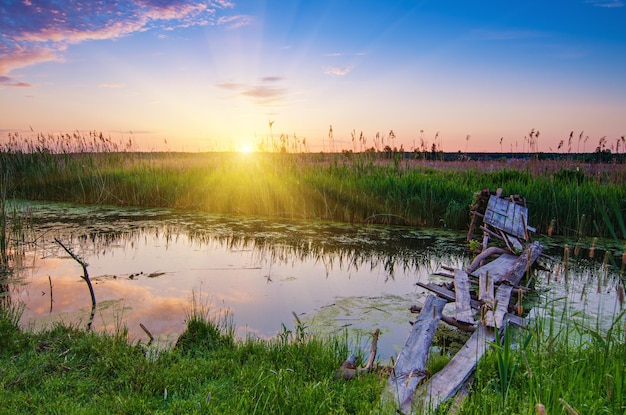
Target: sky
(327,75)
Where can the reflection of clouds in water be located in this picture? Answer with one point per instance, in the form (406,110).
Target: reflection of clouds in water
(117,301)
(260,270)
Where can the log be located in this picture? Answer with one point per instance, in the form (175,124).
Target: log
(486,253)
(445,293)
(445,383)
(495,318)
(410,368)
(496,268)
(485,288)
(349,370)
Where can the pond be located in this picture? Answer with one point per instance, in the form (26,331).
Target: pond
(149,266)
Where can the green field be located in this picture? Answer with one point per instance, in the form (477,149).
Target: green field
(561,363)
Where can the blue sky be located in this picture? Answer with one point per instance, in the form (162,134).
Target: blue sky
(212,75)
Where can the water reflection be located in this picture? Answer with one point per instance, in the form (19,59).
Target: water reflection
(146,264)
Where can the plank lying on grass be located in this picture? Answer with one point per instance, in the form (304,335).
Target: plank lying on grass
(445,383)
(410,368)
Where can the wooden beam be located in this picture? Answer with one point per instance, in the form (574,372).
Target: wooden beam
(494,250)
(462,296)
(445,383)
(410,368)
(485,288)
(519,268)
(445,293)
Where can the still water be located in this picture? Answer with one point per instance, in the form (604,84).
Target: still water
(148,265)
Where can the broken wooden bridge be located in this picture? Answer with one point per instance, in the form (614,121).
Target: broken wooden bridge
(482,296)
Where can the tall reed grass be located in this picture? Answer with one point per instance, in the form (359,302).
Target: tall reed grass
(567,199)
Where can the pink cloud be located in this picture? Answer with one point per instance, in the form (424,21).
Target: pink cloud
(35,32)
(337,70)
(24,55)
(260,93)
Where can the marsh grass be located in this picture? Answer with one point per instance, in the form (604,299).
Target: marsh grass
(563,364)
(367,187)
(66,370)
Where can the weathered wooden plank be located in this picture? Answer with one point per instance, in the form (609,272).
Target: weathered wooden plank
(445,293)
(483,255)
(519,268)
(462,294)
(495,318)
(410,368)
(445,383)
(496,268)
(485,288)
(508,216)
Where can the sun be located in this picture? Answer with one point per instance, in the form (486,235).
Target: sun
(245,148)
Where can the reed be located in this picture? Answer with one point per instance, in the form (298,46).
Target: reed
(564,199)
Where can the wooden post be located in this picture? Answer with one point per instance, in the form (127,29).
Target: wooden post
(462,292)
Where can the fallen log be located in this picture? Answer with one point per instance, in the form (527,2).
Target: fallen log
(410,367)
(445,383)
(486,253)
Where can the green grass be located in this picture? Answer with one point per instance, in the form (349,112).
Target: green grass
(562,199)
(564,364)
(66,370)
(557,362)
(567,367)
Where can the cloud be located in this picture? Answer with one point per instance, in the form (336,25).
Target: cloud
(337,70)
(235,22)
(264,93)
(231,85)
(609,4)
(39,31)
(272,79)
(6,81)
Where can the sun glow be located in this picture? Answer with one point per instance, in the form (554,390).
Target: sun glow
(245,148)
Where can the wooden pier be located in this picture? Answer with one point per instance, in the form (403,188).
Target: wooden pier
(481,295)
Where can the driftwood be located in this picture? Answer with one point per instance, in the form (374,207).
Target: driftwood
(462,292)
(85,277)
(150,336)
(494,250)
(445,383)
(515,274)
(503,219)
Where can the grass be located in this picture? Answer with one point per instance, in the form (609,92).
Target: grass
(564,368)
(563,364)
(66,370)
(566,199)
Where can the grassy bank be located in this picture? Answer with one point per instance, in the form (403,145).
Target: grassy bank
(66,370)
(565,198)
(559,364)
